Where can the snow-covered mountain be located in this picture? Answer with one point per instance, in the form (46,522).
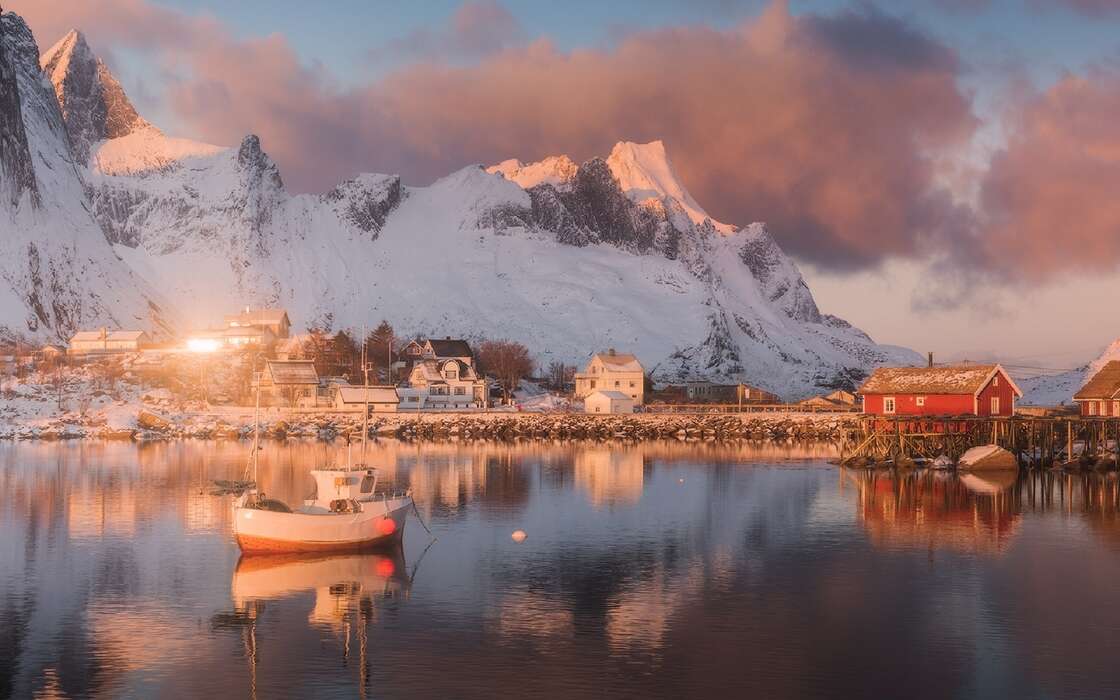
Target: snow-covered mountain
(566,258)
(57,271)
(1055,389)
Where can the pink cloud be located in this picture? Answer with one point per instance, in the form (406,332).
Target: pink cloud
(1049,198)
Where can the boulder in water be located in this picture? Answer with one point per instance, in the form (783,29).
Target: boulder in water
(987,457)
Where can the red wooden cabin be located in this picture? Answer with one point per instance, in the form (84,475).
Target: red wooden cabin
(977,390)
(1101,395)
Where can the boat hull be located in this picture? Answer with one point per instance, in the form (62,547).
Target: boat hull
(380,524)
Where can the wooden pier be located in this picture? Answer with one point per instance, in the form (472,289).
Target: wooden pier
(1036,442)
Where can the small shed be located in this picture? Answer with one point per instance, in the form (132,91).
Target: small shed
(608,402)
(382,399)
(979,390)
(1101,394)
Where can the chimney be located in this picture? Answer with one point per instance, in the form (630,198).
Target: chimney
(104,332)
(610,351)
(447,337)
(931,360)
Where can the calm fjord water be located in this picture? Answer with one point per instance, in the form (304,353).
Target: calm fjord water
(664,570)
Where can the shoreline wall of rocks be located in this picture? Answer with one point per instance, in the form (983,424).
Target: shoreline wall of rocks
(149,425)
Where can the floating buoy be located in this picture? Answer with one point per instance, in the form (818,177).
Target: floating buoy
(519,536)
(387,526)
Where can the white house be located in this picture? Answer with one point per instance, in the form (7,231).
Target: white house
(382,399)
(602,401)
(612,371)
(291,383)
(104,341)
(447,384)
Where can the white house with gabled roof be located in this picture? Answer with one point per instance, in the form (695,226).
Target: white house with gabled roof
(612,371)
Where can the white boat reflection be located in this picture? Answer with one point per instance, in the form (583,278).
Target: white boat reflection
(340,583)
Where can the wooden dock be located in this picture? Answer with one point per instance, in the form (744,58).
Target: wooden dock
(1035,441)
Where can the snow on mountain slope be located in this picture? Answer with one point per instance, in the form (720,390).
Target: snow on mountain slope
(644,172)
(1051,390)
(57,272)
(103,127)
(567,259)
(557,171)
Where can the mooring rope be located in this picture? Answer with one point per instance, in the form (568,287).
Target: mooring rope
(424,524)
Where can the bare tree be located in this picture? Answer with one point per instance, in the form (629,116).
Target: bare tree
(507,361)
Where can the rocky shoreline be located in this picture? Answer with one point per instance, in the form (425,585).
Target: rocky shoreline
(149,425)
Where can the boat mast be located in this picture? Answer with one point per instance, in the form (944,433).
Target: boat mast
(365,411)
(256,426)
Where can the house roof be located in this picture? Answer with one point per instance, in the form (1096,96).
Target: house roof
(377,394)
(108,335)
(613,395)
(252,317)
(620,361)
(1103,385)
(959,379)
(433,369)
(449,347)
(293,372)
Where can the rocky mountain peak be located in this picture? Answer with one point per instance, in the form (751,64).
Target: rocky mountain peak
(93,103)
(558,171)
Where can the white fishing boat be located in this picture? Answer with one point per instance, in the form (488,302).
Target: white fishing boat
(346,513)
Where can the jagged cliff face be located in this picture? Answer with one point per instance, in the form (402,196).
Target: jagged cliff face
(57,271)
(94,105)
(566,258)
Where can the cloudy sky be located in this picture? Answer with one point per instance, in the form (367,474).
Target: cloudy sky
(947,172)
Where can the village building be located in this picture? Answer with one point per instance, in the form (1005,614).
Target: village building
(978,390)
(449,383)
(274,320)
(608,401)
(612,371)
(231,338)
(1101,394)
(104,341)
(838,401)
(381,399)
(435,349)
(291,383)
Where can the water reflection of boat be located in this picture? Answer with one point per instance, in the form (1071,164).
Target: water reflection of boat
(340,582)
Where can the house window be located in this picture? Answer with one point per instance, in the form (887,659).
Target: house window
(995,380)
(597,409)
(1116,408)
(617,384)
(631,385)
(995,405)
(592,383)
(460,391)
(888,404)
(921,400)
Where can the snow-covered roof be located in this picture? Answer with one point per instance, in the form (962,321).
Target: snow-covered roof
(613,395)
(960,379)
(432,370)
(620,361)
(88,336)
(377,394)
(293,372)
(1104,385)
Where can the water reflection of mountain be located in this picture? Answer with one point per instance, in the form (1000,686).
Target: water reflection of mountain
(929,510)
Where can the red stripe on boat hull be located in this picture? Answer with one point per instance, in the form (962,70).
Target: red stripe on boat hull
(261,545)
